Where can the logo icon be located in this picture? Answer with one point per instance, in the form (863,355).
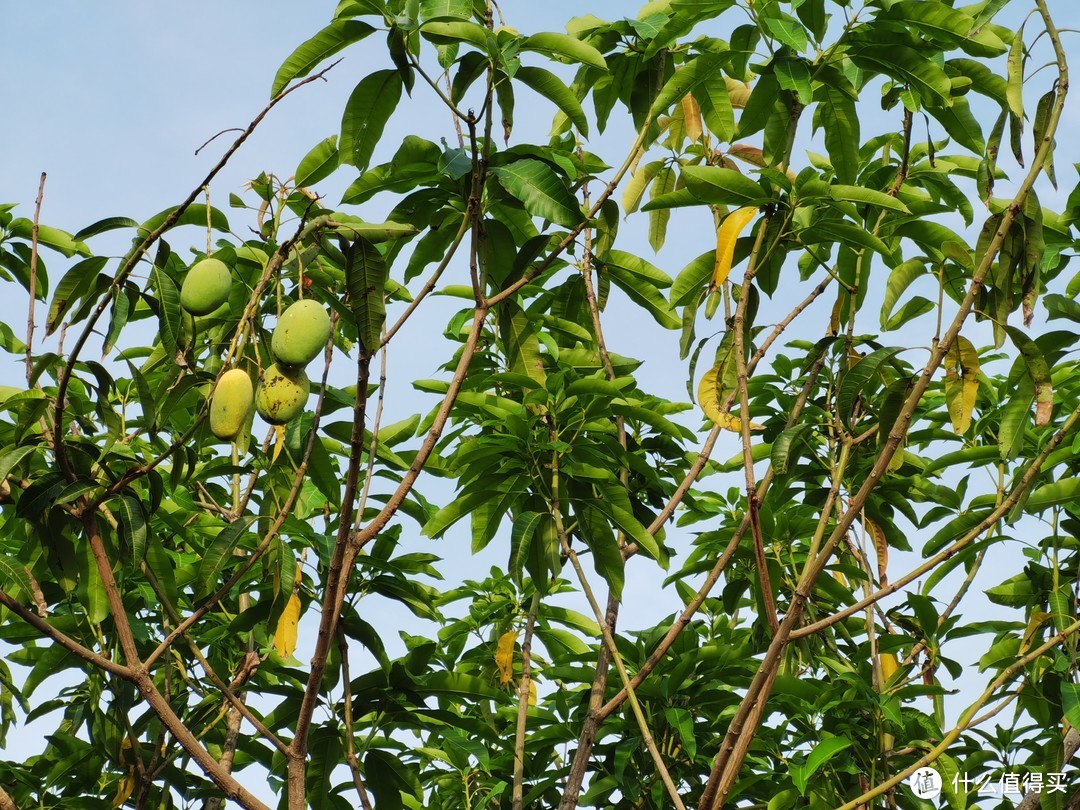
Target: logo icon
(925,783)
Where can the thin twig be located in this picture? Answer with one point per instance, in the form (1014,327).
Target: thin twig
(33,281)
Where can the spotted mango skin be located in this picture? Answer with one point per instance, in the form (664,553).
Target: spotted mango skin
(282,394)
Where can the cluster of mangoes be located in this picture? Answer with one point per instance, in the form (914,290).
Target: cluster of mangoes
(300,334)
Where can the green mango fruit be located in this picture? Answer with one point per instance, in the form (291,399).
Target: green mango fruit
(301,333)
(282,394)
(231,404)
(206,286)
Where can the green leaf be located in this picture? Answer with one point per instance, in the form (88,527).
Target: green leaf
(787,31)
(220,552)
(822,753)
(1067,490)
(194,214)
(104,225)
(694,74)
(1039,372)
(13,575)
(76,284)
(365,279)
(368,109)
(552,88)
(858,378)
(1014,88)
(540,190)
(715,104)
(318,164)
(336,36)
(718,186)
(909,66)
(868,196)
(169,315)
(565,45)
(692,279)
(644,293)
(901,277)
(54,238)
(794,76)
(444,32)
(841,124)
(518,333)
(133,526)
(1070,702)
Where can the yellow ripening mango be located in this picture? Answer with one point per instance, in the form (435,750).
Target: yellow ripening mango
(206,286)
(301,333)
(281,395)
(231,404)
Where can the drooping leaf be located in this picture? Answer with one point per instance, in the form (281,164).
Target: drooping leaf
(840,122)
(365,279)
(368,109)
(565,45)
(219,552)
(1039,371)
(504,656)
(318,164)
(726,236)
(552,88)
(288,627)
(961,382)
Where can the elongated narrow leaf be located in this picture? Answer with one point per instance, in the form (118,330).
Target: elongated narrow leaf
(540,190)
(909,66)
(1014,88)
(133,526)
(319,163)
(368,109)
(77,283)
(504,656)
(60,241)
(565,45)
(692,75)
(858,377)
(449,32)
(365,279)
(645,294)
(726,236)
(105,225)
(718,186)
(219,552)
(860,195)
(316,50)
(522,346)
(1039,371)
(841,124)
(1067,490)
(552,88)
(961,383)
(169,315)
(194,214)
(717,110)
(288,627)
(901,277)
(13,575)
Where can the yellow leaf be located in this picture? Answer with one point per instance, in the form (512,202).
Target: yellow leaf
(692,114)
(726,234)
(532,693)
(738,92)
(961,383)
(288,626)
(718,384)
(279,442)
(504,656)
(124,788)
(1036,620)
(881,545)
(889,664)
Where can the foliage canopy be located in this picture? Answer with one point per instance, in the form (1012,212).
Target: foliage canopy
(851,159)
